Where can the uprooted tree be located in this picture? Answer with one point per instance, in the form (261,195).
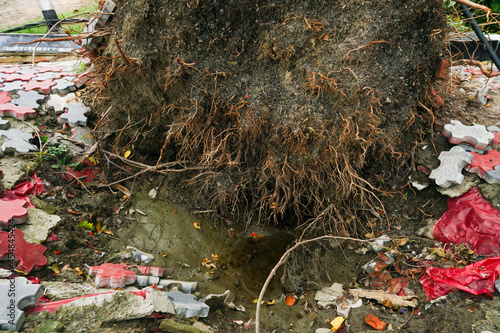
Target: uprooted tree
(275,108)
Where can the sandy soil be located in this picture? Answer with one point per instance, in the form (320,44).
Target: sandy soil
(16,12)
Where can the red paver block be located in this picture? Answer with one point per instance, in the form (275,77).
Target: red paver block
(443,69)
(154,271)
(9,69)
(112,275)
(44,86)
(5,97)
(495,143)
(13,210)
(50,69)
(19,112)
(19,77)
(30,256)
(482,163)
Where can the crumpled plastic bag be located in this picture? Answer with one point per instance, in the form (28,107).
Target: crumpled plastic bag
(470,219)
(477,278)
(22,191)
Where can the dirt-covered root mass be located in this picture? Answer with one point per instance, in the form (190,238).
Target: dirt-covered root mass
(277,107)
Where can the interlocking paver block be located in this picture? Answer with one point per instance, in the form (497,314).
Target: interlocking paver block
(9,69)
(495,143)
(13,210)
(29,98)
(151,270)
(43,86)
(186,305)
(471,149)
(450,170)
(50,69)
(476,135)
(74,115)
(58,103)
(15,295)
(494,128)
(4,124)
(112,275)
(143,280)
(17,141)
(5,97)
(482,163)
(30,256)
(493,176)
(186,287)
(16,111)
(19,77)
(12,86)
(63,86)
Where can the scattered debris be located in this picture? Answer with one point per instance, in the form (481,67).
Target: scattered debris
(381,296)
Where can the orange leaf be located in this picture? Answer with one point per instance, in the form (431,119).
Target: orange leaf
(290,300)
(375,322)
(196,225)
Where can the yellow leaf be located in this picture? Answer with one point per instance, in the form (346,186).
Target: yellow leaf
(215,257)
(98,227)
(271,302)
(438,251)
(127,154)
(370,235)
(78,270)
(92,160)
(55,268)
(109,232)
(196,225)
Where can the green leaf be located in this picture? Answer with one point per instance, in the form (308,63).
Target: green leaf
(87,225)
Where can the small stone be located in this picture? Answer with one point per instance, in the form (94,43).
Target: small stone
(38,226)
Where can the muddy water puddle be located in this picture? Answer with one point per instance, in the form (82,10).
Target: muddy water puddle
(218,258)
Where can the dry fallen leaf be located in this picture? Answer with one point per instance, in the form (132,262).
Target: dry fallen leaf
(196,225)
(127,154)
(271,302)
(215,257)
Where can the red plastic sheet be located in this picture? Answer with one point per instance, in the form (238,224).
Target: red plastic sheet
(477,278)
(21,191)
(470,219)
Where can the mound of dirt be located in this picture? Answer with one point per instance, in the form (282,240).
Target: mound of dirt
(279,108)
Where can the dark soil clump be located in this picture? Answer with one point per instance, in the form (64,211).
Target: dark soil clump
(279,108)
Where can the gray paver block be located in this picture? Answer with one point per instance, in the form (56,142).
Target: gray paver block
(450,170)
(4,124)
(12,86)
(15,295)
(17,141)
(186,287)
(143,280)
(29,98)
(476,135)
(64,86)
(493,176)
(74,115)
(494,128)
(45,76)
(187,306)
(471,149)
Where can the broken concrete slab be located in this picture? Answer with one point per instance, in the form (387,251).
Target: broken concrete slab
(450,170)
(456,190)
(216,301)
(476,135)
(171,325)
(187,306)
(17,141)
(161,301)
(15,295)
(38,226)
(14,169)
(56,290)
